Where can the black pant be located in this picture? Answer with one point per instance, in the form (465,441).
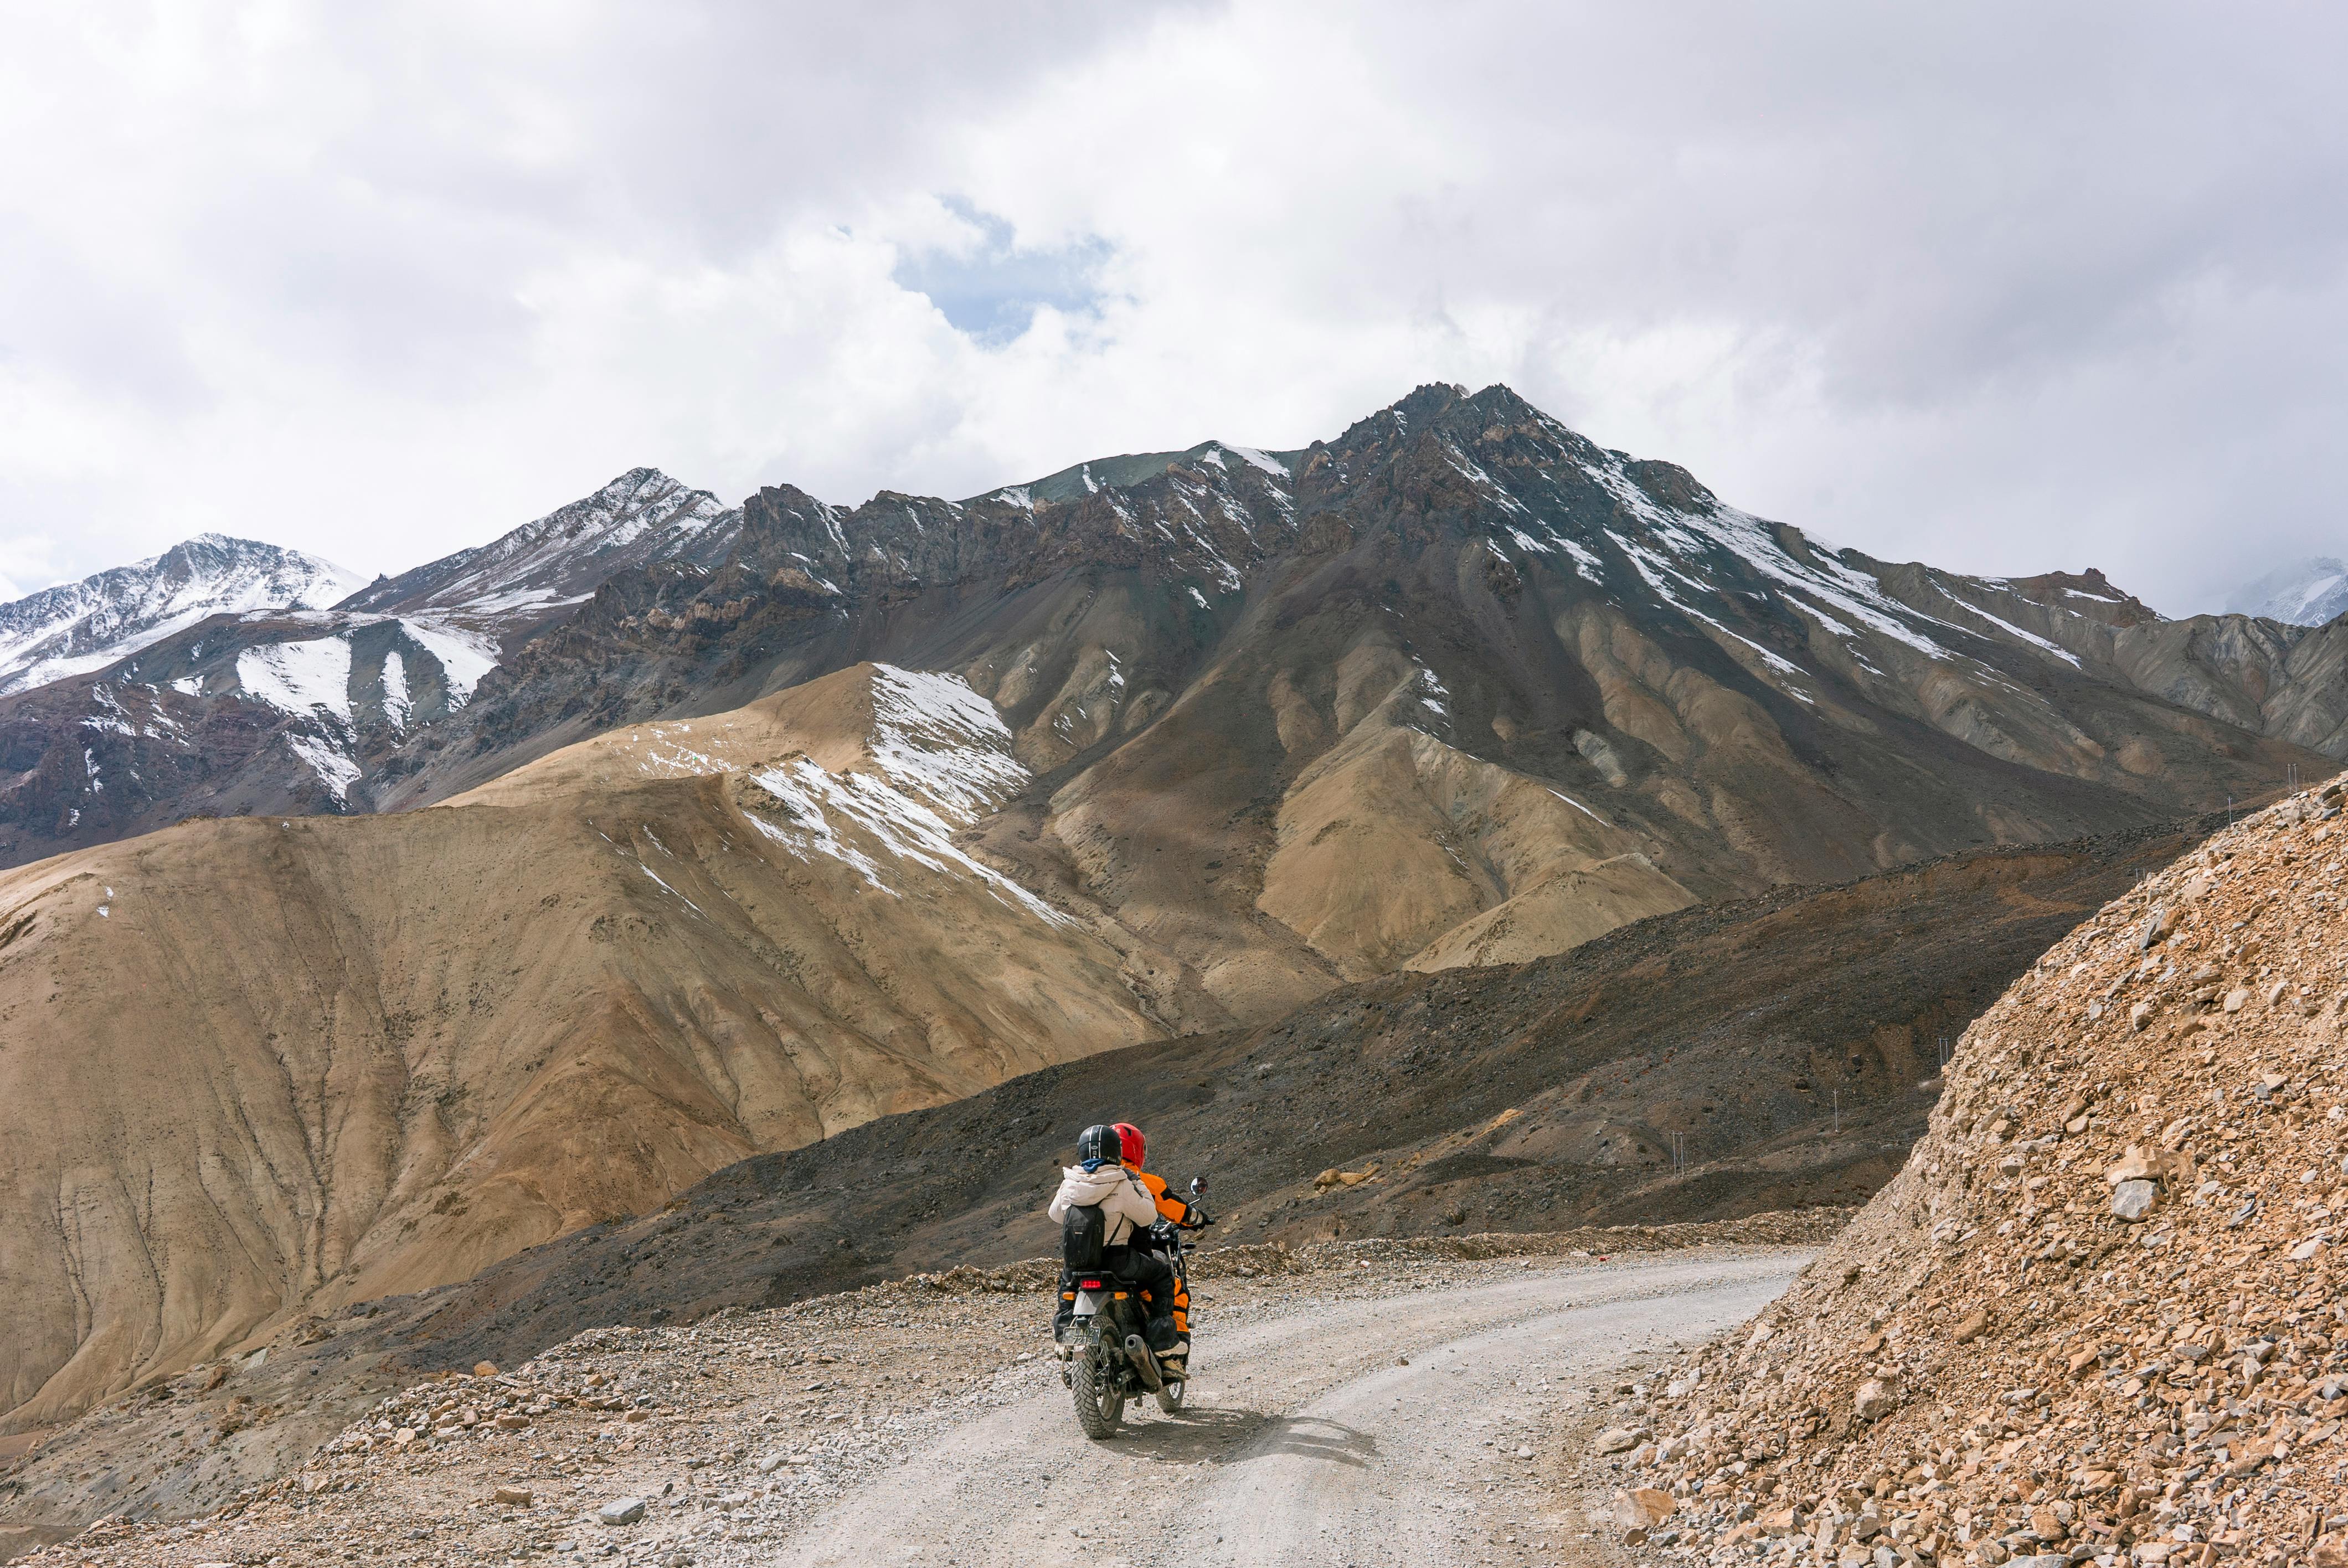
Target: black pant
(1146,1271)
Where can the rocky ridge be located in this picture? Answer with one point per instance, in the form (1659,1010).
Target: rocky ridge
(1718,699)
(507,588)
(229,679)
(2096,1313)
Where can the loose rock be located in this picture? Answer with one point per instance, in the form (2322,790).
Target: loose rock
(2103,1285)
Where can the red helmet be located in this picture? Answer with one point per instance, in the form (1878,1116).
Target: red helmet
(1129,1136)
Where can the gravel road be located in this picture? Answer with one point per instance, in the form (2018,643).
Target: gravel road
(1309,1438)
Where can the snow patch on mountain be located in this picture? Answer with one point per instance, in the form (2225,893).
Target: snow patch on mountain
(334,768)
(2010,630)
(464,656)
(300,678)
(75,628)
(397,702)
(940,760)
(934,737)
(1263,460)
(824,807)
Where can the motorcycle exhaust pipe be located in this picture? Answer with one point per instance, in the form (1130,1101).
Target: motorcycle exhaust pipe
(1137,1352)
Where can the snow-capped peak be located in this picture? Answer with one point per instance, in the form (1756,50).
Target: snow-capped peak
(2304,593)
(525,577)
(77,626)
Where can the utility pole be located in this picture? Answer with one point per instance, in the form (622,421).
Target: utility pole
(1838,1111)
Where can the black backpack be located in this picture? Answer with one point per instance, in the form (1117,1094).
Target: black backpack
(1082,1235)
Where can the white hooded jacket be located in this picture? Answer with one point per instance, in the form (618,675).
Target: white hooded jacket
(1125,1202)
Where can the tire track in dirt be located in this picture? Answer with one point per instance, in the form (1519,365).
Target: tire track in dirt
(1307,1438)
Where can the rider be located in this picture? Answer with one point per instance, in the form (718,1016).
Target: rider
(1100,1177)
(1132,1149)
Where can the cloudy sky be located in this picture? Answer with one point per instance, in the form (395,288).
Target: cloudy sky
(2002,287)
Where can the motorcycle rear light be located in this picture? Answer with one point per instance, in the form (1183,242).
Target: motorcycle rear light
(1088,1284)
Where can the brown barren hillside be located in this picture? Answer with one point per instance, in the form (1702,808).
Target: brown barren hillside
(1779,1041)
(2097,1313)
(250,1065)
(1785,1044)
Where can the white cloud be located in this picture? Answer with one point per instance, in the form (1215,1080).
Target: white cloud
(1991,286)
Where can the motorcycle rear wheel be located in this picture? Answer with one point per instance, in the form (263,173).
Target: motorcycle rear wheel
(1100,1404)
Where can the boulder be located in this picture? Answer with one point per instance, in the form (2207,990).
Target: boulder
(1642,1508)
(1877,1397)
(2133,1200)
(1619,1440)
(2138,1163)
(621,1510)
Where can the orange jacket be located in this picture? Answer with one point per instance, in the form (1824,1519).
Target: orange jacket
(1173,1208)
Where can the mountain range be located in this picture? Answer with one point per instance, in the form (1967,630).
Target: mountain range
(2312,592)
(376,942)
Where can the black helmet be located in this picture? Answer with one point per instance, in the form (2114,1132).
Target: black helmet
(1100,1141)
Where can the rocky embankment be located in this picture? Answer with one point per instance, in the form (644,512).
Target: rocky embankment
(2096,1317)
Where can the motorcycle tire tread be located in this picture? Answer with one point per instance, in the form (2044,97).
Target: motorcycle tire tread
(1098,1407)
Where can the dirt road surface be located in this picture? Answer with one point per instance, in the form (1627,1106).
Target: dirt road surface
(1375,1403)
(1417,1431)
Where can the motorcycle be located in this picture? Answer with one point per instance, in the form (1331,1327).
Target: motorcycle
(1107,1355)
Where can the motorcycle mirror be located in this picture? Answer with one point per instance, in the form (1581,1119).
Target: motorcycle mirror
(1197,1185)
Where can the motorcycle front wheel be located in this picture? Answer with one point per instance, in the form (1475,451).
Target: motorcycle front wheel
(1100,1401)
(1169,1397)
